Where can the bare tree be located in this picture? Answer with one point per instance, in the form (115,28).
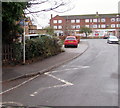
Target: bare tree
(59,6)
(39,10)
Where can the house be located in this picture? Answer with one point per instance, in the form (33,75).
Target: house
(100,24)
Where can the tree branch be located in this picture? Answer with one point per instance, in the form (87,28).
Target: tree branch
(49,9)
(31,3)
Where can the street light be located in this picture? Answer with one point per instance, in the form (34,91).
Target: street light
(97,16)
(24,24)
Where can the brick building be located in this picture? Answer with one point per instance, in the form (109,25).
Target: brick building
(100,24)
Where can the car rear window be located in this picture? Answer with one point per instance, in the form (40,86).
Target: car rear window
(70,38)
(113,37)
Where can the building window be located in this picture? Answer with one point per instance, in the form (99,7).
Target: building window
(86,20)
(112,19)
(94,20)
(32,31)
(91,20)
(54,21)
(77,26)
(72,21)
(117,25)
(113,25)
(59,27)
(94,26)
(73,26)
(87,26)
(78,21)
(55,27)
(59,21)
(103,26)
(103,20)
(118,19)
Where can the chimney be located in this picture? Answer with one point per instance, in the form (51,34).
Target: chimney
(51,16)
(96,13)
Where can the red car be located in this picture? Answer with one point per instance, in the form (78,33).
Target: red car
(71,41)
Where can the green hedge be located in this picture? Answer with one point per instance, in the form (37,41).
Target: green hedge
(35,49)
(44,47)
(38,48)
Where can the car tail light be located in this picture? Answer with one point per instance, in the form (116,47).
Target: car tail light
(66,40)
(75,40)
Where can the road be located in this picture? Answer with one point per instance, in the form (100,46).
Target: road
(89,80)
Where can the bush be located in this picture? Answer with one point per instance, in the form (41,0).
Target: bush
(42,47)
(35,49)
(17,52)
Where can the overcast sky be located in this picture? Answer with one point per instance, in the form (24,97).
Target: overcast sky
(81,7)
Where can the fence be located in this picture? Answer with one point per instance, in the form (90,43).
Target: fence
(9,54)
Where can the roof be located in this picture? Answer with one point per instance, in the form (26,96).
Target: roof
(90,16)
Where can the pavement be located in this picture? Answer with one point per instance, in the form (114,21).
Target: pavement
(40,67)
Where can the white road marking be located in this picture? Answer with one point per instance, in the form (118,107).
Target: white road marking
(71,68)
(18,85)
(66,83)
(11,102)
(41,89)
(86,67)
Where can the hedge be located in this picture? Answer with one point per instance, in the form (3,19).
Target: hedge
(36,49)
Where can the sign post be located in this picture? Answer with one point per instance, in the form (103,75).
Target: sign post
(24,42)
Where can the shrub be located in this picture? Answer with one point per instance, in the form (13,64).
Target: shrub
(35,48)
(44,47)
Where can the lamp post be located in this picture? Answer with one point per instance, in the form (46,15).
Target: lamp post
(25,22)
(97,16)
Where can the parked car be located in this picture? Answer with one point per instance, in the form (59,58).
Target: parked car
(105,36)
(71,41)
(112,39)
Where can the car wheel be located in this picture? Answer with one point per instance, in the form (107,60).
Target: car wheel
(65,46)
(76,46)
(108,42)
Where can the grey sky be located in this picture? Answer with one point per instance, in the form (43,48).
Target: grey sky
(81,7)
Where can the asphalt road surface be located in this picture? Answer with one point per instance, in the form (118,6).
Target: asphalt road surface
(89,80)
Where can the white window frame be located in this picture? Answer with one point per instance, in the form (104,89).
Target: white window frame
(112,25)
(87,26)
(91,20)
(73,26)
(54,21)
(103,19)
(112,19)
(87,20)
(94,20)
(77,20)
(103,25)
(55,27)
(59,21)
(59,27)
(95,26)
(72,21)
(117,25)
(77,26)
(118,19)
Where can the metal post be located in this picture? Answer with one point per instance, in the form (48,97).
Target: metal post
(24,43)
